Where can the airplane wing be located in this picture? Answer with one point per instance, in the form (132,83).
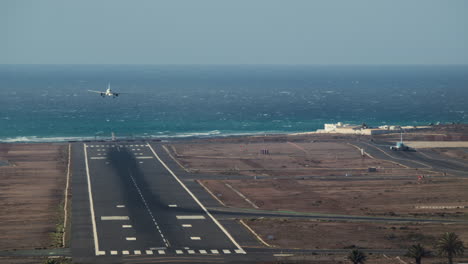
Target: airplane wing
(96,91)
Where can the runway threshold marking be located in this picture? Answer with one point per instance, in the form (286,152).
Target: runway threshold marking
(241,251)
(91,205)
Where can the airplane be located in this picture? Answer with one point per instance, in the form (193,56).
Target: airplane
(108,92)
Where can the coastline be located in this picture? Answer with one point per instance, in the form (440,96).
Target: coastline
(213,134)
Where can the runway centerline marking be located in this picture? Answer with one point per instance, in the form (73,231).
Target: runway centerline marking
(91,206)
(186,225)
(148,209)
(126,226)
(130,238)
(195,238)
(172,205)
(241,251)
(120,206)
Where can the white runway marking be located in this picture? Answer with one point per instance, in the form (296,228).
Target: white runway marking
(141,162)
(226,251)
(186,225)
(149,252)
(190,217)
(241,251)
(120,206)
(191,251)
(202,251)
(179,251)
(148,209)
(113,252)
(173,205)
(214,251)
(161,252)
(130,238)
(125,252)
(91,205)
(137,252)
(195,238)
(111,218)
(97,158)
(126,226)
(100,253)
(144,157)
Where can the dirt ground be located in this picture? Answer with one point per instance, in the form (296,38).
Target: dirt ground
(457,153)
(383,197)
(31,189)
(324,158)
(293,233)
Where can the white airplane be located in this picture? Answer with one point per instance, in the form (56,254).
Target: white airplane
(108,92)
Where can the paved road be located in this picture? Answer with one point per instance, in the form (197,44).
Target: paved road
(128,203)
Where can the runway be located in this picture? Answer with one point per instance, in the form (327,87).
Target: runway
(133,204)
(416,159)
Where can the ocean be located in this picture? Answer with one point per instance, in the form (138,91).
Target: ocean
(47,103)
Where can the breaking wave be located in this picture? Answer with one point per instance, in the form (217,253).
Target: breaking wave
(208,134)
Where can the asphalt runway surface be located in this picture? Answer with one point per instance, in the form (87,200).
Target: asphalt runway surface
(132,203)
(420,159)
(127,203)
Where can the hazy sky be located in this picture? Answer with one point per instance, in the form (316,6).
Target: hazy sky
(234,32)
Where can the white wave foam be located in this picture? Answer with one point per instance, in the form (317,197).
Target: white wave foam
(158,135)
(35,139)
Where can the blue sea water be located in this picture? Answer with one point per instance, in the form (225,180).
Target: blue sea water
(51,102)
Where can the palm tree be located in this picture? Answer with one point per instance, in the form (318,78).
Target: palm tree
(417,252)
(449,245)
(357,257)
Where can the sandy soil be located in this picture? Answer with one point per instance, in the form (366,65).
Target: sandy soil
(356,197)
(457,153)
(437,144)
(292,233)
(31,190)
(284,159)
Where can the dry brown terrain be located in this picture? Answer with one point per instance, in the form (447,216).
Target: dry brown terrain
(342,235)
(31,189)
(456,153)
(324,158)
(355,197)
(391,191)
